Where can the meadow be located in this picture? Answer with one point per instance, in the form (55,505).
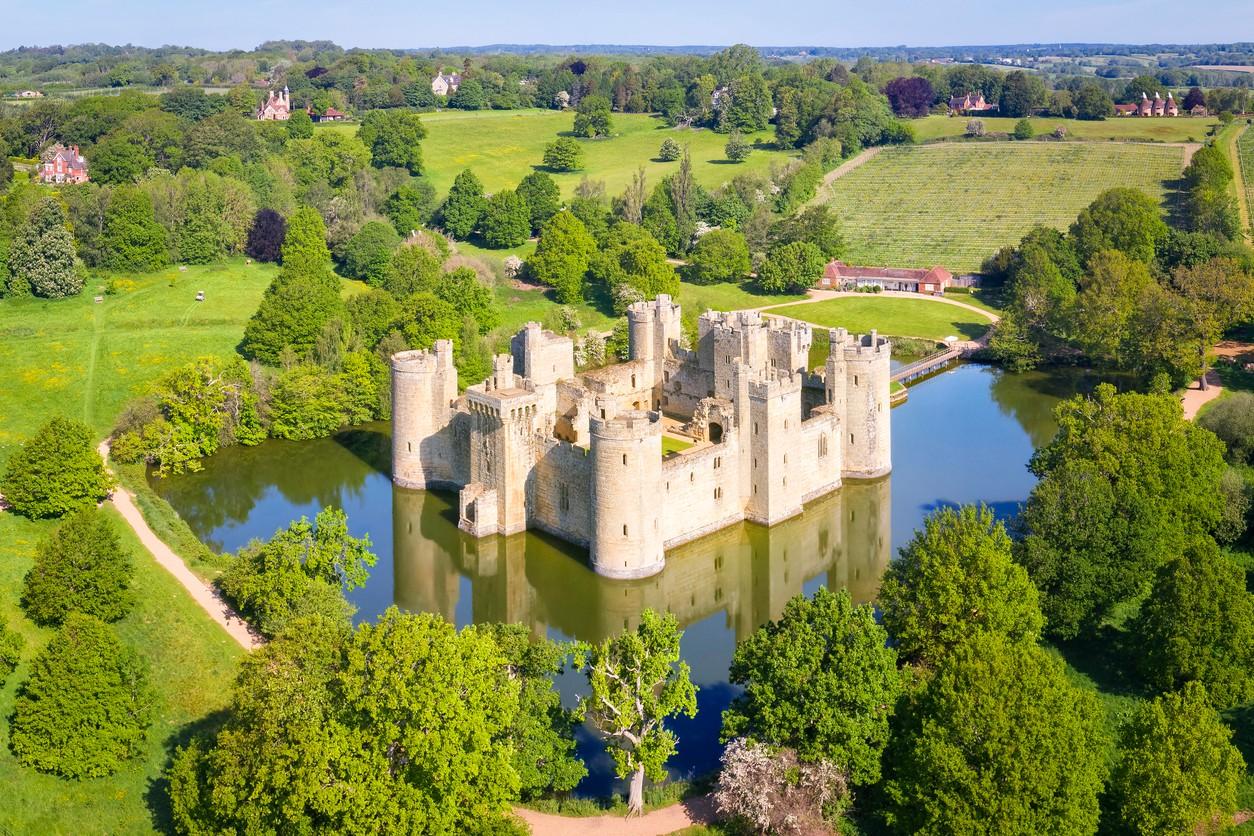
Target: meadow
(920,318)
(1125,129)
(86,360)
(954,204)
(503,146)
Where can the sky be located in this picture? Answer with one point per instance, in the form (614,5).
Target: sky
(226,24)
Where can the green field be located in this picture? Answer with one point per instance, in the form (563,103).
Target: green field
(503,146)
(1127,128)
(85,360)
(954,204)
(192,664)
(922,318)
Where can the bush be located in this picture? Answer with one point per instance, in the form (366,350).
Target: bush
(1023,130)
(81,567)
(564,155)
(737,149)
(670,151)
(772,791)
(1232,419)
(10,651)
(55,472)
(86,707)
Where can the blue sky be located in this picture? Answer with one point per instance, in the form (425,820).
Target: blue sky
(419,23)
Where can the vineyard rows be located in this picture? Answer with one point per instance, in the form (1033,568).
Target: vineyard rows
(1245,153)
(955,204)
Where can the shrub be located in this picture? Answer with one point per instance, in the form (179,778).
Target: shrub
(670,151)
(1023,130)
(86,707)
(1232,419)
(265,237)
(772,791)
(55,472)
(80,567)
(564,155)
(10,651)
(737,148)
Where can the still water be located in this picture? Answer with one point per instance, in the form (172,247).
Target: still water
(963,436)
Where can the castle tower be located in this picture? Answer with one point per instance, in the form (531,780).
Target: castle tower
(773,433)
(504,417)
(867,439)
(653,328)
(626,453)
(424,386)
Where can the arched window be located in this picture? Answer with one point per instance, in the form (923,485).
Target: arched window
(624,458)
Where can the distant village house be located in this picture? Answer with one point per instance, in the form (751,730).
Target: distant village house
(446,84)
(1157,106)
(841,276)
(278,107)
(63,164)
(328,115)
(970,103)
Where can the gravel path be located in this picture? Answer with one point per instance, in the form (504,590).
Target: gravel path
(654,823)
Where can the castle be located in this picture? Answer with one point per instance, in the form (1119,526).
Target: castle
(581,456)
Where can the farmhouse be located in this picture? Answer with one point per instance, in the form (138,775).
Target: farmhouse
(61,164)
(970,103)
(446,84)
(277,107)
(841,276)
(536,446)
(328,115)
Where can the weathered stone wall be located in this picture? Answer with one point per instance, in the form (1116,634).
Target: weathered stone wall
(626,455)
(560,492)
(867,437)
(424,386)
(700,491)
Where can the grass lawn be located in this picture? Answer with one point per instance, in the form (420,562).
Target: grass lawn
(503,146)
(986,299)
(671,444)
(85,360)
(1178,129)
(897,317)
(192,664)
(954,204)
(518,307)
(699,298)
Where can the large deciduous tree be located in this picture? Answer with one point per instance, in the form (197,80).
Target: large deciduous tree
(592,117)
(1125,486)
(632,265)
(957,577)
(721,255)
(998,740)
(42,255)
(86,707)
(266,236)
(368,254)
(1121,219)
(911,96)
(506,220)
(133,240)
(822,681)
(637,681)
(543,198)
(11,644)
(791,268)
(563,154)
(394,138)
(562,257)
(55,472)
(80,567)
(1216,295)
(465,205)
(1178,771)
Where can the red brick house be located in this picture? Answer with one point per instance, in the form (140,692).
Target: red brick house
(970,103)
(63,165)
(840,276)
(278,107)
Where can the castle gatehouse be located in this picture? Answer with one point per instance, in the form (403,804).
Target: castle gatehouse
(580,456)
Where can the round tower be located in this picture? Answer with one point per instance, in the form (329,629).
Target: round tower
(640,318)
(626,454)
(424,386)
(867,434)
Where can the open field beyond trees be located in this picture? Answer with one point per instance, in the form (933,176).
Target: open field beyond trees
(1128,128)
(85,361)
(954,204)
(192,663)
(503,146)
(922,318)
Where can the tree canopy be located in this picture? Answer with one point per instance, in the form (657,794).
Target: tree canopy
(80,567)
(42,255)
(465,205)
(55,472)
(562,257)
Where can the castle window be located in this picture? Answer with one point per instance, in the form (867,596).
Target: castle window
(602,414)
(785,458)
(785,423)
(822,445)
(666,377)
(718,493)
(409,446)
(755,427)
(633,381)
(692,477)
(851,438)
(855,380)
(563,498)
(624,531)
(718,462)
(624,458)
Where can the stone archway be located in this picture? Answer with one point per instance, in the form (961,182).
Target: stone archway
(715,432)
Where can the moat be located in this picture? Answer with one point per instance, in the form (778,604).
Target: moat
(963,436)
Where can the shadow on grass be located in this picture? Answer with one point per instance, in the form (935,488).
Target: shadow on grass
(1105,659)
(157,797)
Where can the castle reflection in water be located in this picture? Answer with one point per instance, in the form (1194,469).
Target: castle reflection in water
(748,572)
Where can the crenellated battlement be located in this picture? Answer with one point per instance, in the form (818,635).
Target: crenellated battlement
(867,344)
(424,361)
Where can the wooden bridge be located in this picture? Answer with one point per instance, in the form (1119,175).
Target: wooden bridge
(929,364)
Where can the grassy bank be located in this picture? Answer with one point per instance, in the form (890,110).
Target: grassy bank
(192,665)
(954,204)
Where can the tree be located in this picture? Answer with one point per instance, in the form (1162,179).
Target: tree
(293,312)
(469,96)
(506,220)
(543,733)
(415,267)
(1232,419)
(1121,219)
(770,790)
(11,644)
(564,154)
(86,707)
(306,402)
(957,577)
(637,681)
(266,236)
(1023,130)
(410,207)
(428,318)
(1217,294)
(412,715)
(394,138)
(746,105)
(1110,295)
(1198,626)
(81,567)
(300,125)
(470,297)
(975,127)
(119,157)
(133,240)
(55,472)
(305,244)
(817,225)
(737,149)
(631,260)
(1021,93)
(1178,771)
(721,255)
(1192,99)
(543,198)
(1125,485)
(669,151)
(592,117)
(821,680)
(562,257)
(791,268)
(42,256)
(368,254)
(910,97)
(996,741)
(465,205)
(372,315)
